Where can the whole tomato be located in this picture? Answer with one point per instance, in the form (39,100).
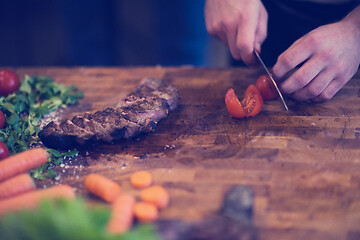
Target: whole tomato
(265,87)
(9,82)
(4,151)
(2,120)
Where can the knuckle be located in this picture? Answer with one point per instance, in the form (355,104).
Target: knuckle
(266,15)
(325,96)
(213,29)
(228,24)
(300,80)
(262,36)
(286,60)
(340,82)
(328,55)
(313,40)
(242,45)
(313,91)
(210,29)
(341,70)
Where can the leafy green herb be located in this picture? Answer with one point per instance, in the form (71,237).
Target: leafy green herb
(36,97)
(65,220)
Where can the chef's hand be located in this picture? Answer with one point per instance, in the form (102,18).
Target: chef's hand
(239,24)
(330,56)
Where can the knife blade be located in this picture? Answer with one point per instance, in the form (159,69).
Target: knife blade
(272,80)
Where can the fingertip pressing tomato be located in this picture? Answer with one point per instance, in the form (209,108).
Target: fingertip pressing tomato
(9,82)
(248,107)
(2,120)
(4,151)
(266,89)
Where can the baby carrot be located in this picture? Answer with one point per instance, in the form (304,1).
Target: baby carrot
(102,187)
(145,212)
(31,199)
(16,185)
(121,214)
(141,179)
(156,195)
(22,162)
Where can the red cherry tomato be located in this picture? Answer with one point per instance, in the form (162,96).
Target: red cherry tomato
(4,151)
(248,107)
(266,89)
(9,82)
(2,120)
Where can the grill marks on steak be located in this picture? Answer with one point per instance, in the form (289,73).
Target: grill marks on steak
(137,113)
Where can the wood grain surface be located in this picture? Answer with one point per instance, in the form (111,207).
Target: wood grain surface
(302,165)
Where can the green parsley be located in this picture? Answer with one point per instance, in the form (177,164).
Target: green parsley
(64,220)
(36,97)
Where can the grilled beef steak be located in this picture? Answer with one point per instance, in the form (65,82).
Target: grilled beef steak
(137,113)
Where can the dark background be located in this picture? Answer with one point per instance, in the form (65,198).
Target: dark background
(140,32)
(105,33)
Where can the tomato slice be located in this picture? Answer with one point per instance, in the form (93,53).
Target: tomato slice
(248,107)
(252,101)
(233,104)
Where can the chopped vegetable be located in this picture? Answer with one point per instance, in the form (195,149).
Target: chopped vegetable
(55,158)
(36,97)
(156,195)
(248,107)
(61,219)
(16,185)
(22,162)
(145,212)
(32,199)
(121,214)
(102,187)
(141,179)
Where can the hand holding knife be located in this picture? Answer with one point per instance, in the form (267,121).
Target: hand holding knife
(272,80)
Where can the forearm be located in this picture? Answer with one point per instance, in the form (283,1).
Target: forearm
(353,19)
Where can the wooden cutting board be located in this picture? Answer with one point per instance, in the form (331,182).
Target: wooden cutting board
(302,165)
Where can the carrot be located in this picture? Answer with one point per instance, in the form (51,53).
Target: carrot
(121,214)
(141,179)
(145,212)
(16,185)
(156,195)
(31,199)
(22,162)
(102,187)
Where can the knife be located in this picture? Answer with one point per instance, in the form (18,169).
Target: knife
(272,80)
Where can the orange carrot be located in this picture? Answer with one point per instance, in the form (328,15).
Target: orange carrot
(31,199)
(16,185)
(102,187)
(156,195)
(121,214)
(145,212)
(141,179)
(22,162)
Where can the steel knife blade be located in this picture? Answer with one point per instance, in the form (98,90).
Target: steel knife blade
(272,80)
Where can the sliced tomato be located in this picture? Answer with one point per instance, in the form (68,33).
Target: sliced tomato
(233,104)
(248,107)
